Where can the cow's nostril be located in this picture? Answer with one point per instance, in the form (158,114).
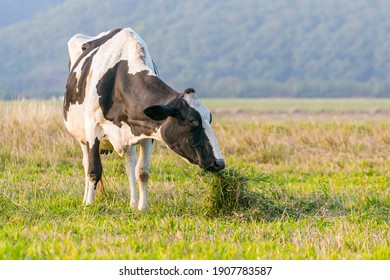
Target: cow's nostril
(219,164)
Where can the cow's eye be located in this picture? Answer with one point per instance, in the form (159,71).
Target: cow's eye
(193,122)
(211,118)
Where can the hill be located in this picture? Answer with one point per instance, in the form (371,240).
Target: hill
(221,48)
(14,11)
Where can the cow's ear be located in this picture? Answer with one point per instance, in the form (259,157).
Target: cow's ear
(159,112)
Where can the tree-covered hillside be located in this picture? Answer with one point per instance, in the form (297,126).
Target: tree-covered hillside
(221,48)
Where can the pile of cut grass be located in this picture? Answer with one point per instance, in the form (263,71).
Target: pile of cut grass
(230,191)
(248,195)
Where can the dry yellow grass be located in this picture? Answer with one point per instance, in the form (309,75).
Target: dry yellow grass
(31,126)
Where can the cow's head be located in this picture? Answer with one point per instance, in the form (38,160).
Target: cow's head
(186,129)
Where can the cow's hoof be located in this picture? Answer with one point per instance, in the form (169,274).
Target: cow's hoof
(134,205)
(143,207)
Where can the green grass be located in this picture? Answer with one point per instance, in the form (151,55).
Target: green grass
(309,190)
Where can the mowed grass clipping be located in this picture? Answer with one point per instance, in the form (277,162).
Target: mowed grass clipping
(292,189)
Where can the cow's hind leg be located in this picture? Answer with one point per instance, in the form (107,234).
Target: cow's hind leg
(142,172)
(84,148)
(130,163)
(94,172)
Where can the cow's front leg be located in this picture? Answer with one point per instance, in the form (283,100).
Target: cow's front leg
(130,162)
(95,170)
(142,172)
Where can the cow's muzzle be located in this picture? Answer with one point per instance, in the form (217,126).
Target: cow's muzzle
(217,165)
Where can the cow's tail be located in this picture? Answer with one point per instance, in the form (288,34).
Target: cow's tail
(100,188)
(155,69)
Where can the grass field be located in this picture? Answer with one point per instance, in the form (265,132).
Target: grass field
(325,195)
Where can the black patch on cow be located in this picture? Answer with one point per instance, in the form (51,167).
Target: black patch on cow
(71,94)
(189,90)
(95,168)
(75,90)
(159,112)
(124,96)
(85,69)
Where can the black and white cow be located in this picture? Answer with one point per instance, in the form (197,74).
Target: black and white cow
(114,100)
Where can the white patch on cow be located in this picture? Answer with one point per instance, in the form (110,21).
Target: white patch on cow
(128,46)
(74,123)
(75,45)
(122,137)
(195,103)
(91,193)
(157,135)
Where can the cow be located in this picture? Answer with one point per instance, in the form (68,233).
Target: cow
(115,100)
